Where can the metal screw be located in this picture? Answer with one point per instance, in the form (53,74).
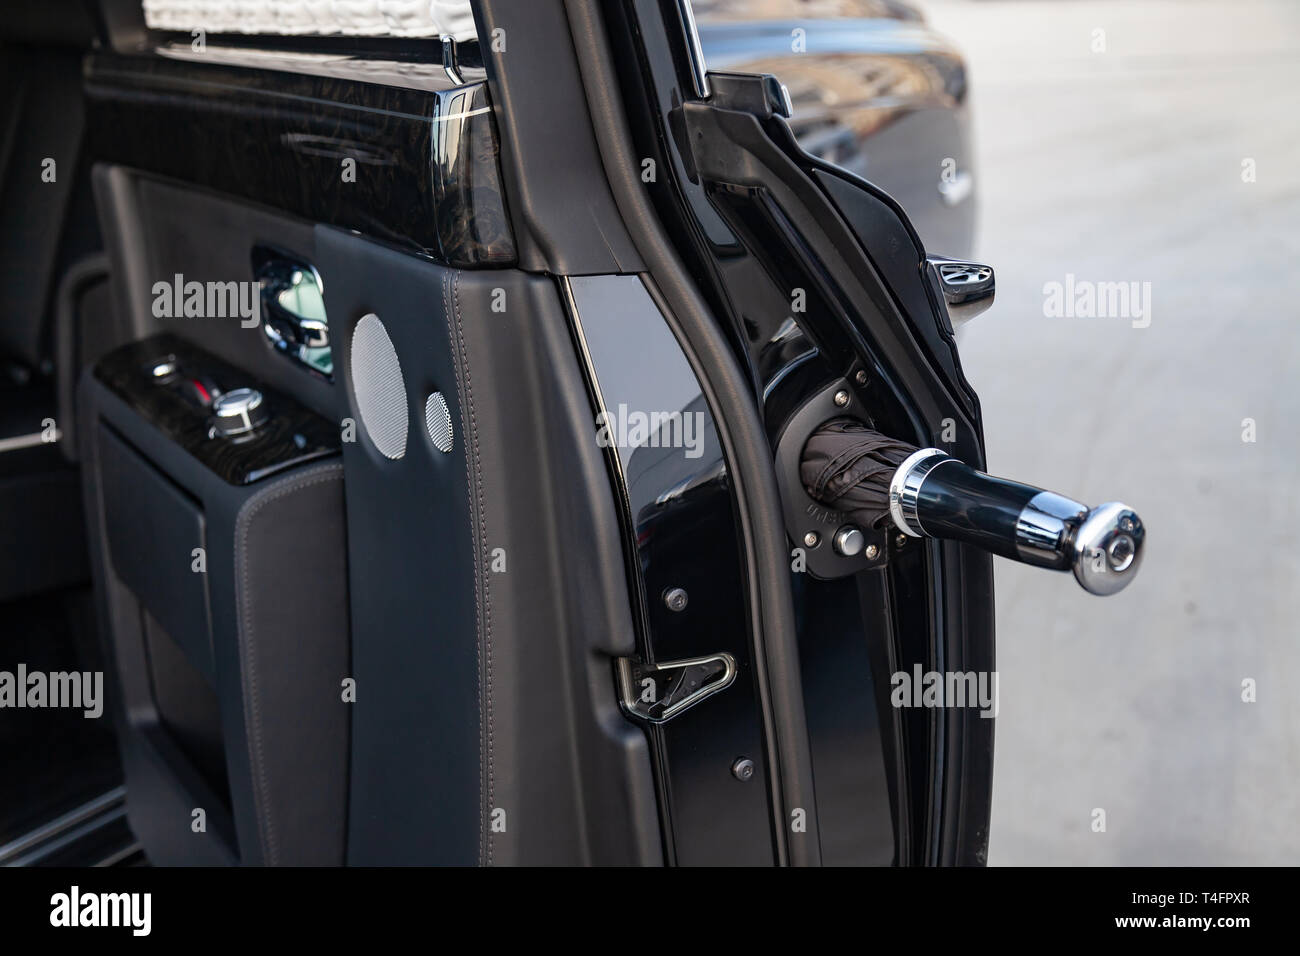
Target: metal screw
(841,398)
(743,769)
(675,599)
(901,540)
(861,377)
(812,539)
(1121,552)
(872,551)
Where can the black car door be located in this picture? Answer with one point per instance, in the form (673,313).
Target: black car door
(442,468)
(779,307)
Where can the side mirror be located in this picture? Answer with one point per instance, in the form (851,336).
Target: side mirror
(966,287)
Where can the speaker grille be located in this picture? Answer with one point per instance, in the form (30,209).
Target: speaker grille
(437,418)
(379,387)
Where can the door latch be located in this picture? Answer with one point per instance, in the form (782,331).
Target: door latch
(659,692)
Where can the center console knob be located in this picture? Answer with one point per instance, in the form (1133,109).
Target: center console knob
(238,412)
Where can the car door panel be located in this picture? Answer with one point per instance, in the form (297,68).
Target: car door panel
(481,613)
(428,624)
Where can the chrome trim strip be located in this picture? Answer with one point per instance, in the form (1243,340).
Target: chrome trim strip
(698,67)
(28,441)
(905,487)
(1044,526)
(451,61)
(102,805)
(117,856)
(423,75)
(462,115)
(589,367)
(786,369)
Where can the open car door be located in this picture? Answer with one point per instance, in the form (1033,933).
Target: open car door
(444,453)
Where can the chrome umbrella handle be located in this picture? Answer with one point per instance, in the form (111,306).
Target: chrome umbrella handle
(934,495)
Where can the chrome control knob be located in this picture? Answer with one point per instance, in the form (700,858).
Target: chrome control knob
(238,412)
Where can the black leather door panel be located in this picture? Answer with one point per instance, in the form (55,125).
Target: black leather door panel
(489,598)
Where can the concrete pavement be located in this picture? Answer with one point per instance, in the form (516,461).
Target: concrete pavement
(1117,165)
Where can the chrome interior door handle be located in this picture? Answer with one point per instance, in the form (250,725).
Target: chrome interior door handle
(293,308)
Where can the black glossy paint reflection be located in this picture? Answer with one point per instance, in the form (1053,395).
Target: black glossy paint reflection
(413,167)
(841,694)
(682,511)
(956,501)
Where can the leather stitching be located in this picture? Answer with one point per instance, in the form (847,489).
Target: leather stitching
(483,604)
(252,699)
